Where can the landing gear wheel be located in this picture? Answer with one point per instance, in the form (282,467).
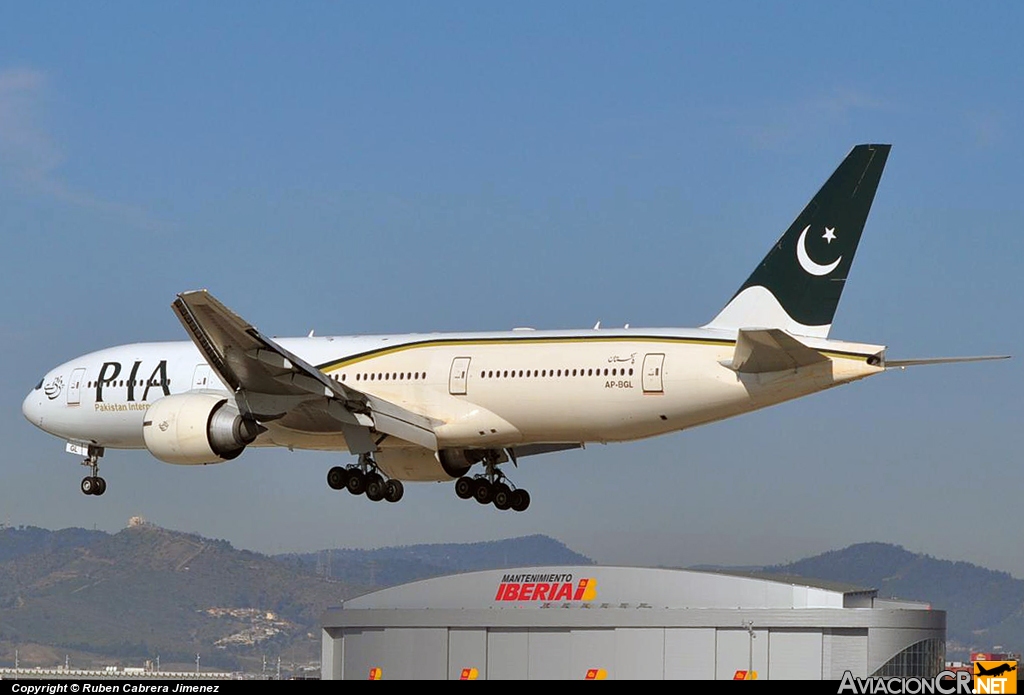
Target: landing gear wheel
(375,487)
(393,490)
(464,488)
(336,478)
(483,491)
(356,483)
(502,496)
(520,500)
(93,484)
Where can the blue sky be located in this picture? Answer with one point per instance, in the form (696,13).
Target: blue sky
(452,166)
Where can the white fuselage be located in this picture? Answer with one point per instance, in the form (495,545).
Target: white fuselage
(488,389)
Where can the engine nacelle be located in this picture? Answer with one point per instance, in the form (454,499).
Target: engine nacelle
(194,428)
(457,462)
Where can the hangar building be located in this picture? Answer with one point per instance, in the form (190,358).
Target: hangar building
(628,623)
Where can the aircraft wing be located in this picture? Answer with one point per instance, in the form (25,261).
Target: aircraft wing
(273,384)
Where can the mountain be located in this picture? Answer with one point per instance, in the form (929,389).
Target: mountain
(402,564)
(23,540)
(983,607)
(148,591)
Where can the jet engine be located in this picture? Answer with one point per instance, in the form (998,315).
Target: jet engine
(457,462)
(194,428)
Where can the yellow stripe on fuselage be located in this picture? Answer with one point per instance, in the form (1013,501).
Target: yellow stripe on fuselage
(442,342)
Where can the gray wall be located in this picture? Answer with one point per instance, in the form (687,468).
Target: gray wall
(504,653)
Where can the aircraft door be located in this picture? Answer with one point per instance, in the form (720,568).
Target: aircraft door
(653,372)
(202,378)
(75,386)
(458,377)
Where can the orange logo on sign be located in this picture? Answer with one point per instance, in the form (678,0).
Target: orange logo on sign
(596,674)
(745,676)
(469,674)
(376,673)
(995,676)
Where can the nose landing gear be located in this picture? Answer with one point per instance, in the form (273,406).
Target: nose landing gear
(93,484)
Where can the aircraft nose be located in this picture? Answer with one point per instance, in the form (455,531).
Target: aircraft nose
(32,408)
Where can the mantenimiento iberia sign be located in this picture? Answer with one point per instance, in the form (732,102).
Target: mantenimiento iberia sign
(546,587)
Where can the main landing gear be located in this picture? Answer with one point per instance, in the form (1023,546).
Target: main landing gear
(365,478)
(94,484)
(492,487)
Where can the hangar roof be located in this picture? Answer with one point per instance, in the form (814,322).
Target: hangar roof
(621,587)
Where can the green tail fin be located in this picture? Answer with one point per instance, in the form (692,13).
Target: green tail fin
(798,284)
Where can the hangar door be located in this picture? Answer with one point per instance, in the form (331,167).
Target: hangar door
(467,649)
(794,654)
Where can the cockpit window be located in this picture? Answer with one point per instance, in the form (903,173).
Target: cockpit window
(39,385)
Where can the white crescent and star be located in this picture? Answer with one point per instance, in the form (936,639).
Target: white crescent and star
(805,261)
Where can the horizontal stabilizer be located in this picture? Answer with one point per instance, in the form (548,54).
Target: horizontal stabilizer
(763,350)
(899,364)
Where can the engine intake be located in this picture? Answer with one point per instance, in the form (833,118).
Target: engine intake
(196,428)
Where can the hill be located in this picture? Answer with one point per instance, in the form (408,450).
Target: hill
(402,564)
(23,540)
(983,607)
(148,591)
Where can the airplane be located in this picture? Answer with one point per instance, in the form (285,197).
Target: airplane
(430,407)
(995,670)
